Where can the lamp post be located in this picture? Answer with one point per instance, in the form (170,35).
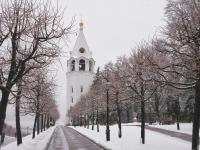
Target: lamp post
(107,113)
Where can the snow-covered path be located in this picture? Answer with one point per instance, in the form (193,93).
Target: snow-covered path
(65,138)
(58,140)
(183,136)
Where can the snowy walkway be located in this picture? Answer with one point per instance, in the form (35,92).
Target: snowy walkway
(58,140)
(65,138)
(182,136)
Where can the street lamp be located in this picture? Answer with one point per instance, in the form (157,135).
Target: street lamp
(107,112)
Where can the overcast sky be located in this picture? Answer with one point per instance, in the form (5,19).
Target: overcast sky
(112,28)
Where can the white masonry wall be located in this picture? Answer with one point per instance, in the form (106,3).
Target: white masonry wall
(78,78)
(75,80)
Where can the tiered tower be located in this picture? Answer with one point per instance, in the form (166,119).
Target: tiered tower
(80,71)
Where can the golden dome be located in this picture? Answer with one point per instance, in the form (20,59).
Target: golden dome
(81,25)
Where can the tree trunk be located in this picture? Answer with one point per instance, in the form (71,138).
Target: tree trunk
(119,124)
(119,116)
(128,115)
(85,121)
(156,109)
(17,113)
(158,117)
(3,107)
(44,124)
(93,120)
(38,123)
(48,120)
(34,126)
(178,113)
(196,117)
(41,122)
(88,122)
(97,120)
(150,116)
(142,114)
(81,121)
(177,122)
(78,121)
(143,122)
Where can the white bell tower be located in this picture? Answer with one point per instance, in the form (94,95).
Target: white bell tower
(80,71)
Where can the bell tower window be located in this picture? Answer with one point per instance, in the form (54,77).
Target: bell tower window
(73,65)
(82,65)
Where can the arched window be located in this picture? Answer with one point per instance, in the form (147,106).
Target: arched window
(90,65)
(82,64)
(73,65)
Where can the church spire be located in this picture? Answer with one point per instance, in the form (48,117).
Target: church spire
(81,25)
(81,47)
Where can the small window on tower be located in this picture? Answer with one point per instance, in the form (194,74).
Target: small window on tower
(73,65)
(72,100)
(82,65)
(72,90)
(81,88)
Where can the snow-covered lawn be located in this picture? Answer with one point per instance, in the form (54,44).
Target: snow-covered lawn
(39,143)
(131,139)
(184,127)
(8,139)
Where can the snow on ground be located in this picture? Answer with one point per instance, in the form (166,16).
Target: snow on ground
(184,127)
(8,139)
(131,139)
(39,143)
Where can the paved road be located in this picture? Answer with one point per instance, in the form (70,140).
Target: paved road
(65,138)
(58,141)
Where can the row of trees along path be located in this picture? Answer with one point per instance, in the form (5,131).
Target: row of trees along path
(30,34)
(154,78)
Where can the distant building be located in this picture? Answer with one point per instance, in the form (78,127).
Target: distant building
(80,71)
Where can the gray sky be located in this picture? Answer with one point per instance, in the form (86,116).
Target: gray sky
(112,28)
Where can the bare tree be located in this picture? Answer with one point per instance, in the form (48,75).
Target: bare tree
(118,92)
(17,113)
(31,34)
(181,46)
(37,98)
(141,80)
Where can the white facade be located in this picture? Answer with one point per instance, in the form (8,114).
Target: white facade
(80,71)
